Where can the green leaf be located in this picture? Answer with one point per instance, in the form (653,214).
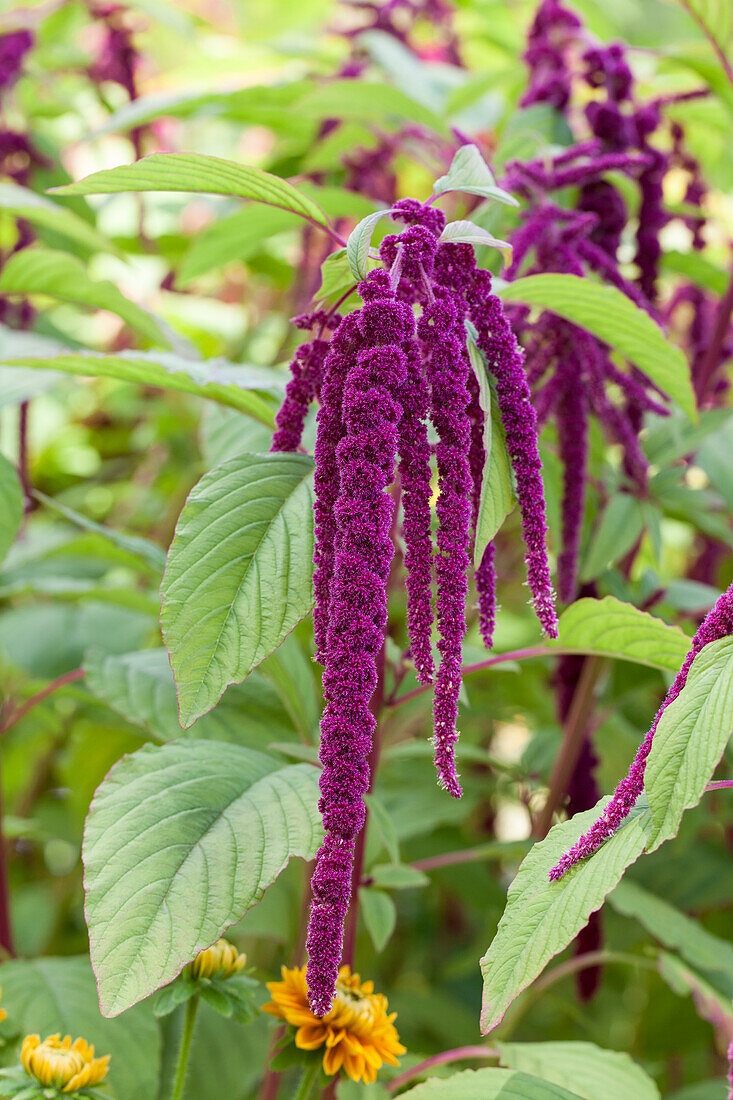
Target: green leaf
(223,612)
(49,996)
(497,488)
(674,929)
(715,17)
(615,319)
(239,386)
(359,243)
(489,1084)
(466,232)
(140,687)
(542,917)
(179,842)
(381,819)
(42,212)
(590,1071)
(59,275)
(470,173)
(336,278)
(144,549)
(611,628)
(621,524)
(379,914)
(367,100)
(11,505)
(233,238)
(198,173)
(398,876)
(690,739)
(697,268)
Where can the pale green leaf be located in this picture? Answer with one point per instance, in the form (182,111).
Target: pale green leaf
(359,242)
(233,238)
(697,268)
(144,549)
(180,841)
(11,505)
(198,173)
(621,524)
(543,917)
(369,101)
(58,995)
(590,1071)
(470,173)
(42,212)
(242,387)
(379,914)
(489,1084)
(140,687)
(465,232)
(690,739)
(336,279)
(60,275)
(617,321)
(674,929)
(398,876)
(611,628)
(238,576)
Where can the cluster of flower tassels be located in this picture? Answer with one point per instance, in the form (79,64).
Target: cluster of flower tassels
(379,379)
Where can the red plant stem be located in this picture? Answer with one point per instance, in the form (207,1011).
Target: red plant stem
(500,658)
(468,855)
(711,361)
(573,734)
(55,685)
(719,785)
(459,1054)
(23,470)
(709,34)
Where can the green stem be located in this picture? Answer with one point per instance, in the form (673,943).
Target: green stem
(309,1080)
(185,1048)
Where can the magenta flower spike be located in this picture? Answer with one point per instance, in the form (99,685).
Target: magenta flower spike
(718,623)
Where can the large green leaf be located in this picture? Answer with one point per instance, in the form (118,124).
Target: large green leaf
(59,275)
(590,1071)
(369,101)
(489,1084)
(242,387)
(359,243)
(674,929)
(621,524)
(140,687)
(143,549)
(40,211)
(239,572)
(615,319)
(180,841)
(11,505)
(542,917)
(48,996)
(611,628)
(690,739)
(198,173)
(233,238)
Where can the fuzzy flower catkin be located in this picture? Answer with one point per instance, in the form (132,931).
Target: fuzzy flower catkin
(365,456)
(717,624)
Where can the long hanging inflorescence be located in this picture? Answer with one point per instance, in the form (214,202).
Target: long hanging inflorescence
(379,379)
(717,624)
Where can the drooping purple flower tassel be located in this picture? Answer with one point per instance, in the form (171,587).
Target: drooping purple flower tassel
(366,456)
(505,361)
(572,423)
(485,572)
(306,372)
(730,1072)
(486,591)
(717,624)
(327,479)
(442,331)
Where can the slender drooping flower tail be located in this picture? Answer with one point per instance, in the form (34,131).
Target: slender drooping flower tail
(718,623)
(485,572)
(730,1072)
(366,457)
(486,591)
(327,480)
(442,330)
(572,430)
(306,372)
(505,361)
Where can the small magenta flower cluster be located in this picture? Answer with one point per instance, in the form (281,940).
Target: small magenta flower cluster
(379,379)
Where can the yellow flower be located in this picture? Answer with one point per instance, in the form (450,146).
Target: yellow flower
(218,961)
(358,1033)
(3,1013)
(59,1062)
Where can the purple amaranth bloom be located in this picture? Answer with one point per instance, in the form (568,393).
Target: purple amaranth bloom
(486,591)
(118,59)
(485,573)
(13,48)
(366,456)
(553,33)
(718,623)
(304,386)
(572,427)
(730,1072)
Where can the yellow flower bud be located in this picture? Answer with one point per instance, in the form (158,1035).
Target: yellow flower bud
(62,1064)
(221,960)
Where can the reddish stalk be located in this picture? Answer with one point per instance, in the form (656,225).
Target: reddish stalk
(717,48)
(459,1054)
(470,855)
(20,712)
(713,354)
(23,469)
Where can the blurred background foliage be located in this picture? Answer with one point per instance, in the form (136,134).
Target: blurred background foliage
(109,460)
